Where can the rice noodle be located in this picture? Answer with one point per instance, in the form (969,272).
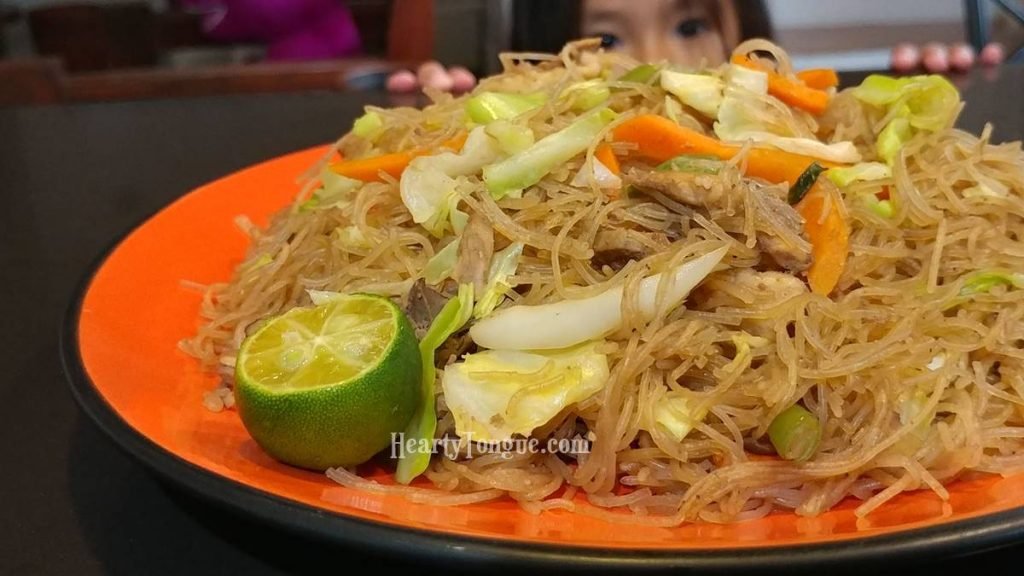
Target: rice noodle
(857,359)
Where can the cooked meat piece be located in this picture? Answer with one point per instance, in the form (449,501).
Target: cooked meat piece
(699,190)
(779,225)
(746,287)
(615,248)
(422,305)
(475,251)
(781,231)
(767,288)
(784,254)
(742,287)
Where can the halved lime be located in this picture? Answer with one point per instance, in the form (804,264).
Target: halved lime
(326,386)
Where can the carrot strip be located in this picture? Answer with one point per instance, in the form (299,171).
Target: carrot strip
(819,78)
(659,139)
(606,156)
(830,239)
(793,93)
(370,169)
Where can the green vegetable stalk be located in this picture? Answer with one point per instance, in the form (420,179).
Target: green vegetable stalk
(421,428)
(587,95)
(369,126)
(882,208)
(983,281)
(486,107)
(512,138)
(642,74)
(531,165)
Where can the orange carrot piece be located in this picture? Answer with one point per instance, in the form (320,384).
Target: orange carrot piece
(660,139)
(793,93)
(830,239)
(819,78)
(370,169)
(606,156)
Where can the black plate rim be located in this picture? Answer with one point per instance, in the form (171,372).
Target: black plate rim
(946,540)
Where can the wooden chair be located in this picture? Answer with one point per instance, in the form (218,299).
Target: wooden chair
(408,35)
(151,83)
(396,34)
(88,37)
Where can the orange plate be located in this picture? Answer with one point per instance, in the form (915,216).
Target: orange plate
(121,354)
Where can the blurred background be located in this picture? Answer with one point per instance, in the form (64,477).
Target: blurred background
(58,51)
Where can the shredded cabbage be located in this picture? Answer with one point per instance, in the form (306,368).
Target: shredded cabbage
(440,266)
(892,138)
(598,174)
(676,415)
(570,322)
(863,172)
(318,297)
(350,237)
(428,185)
(755,81)
(701,92)
(742,116)
(916,103)
(497,393)
(503,265)
(673,109)
(334,191)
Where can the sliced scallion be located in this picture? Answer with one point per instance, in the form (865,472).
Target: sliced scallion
(795,433)
(805,182)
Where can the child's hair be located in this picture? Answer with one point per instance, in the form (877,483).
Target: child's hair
(545,26)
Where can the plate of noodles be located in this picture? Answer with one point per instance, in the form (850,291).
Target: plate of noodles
(600,311)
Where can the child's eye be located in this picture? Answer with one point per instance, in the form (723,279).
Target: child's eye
(610,40)
(692,27)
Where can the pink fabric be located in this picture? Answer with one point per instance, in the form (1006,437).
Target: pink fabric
(291,29)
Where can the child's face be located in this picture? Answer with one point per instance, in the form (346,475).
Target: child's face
(684,32)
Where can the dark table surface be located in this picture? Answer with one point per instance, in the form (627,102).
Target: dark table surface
(74,178)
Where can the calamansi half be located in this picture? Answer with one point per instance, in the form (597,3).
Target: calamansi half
(327,385)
